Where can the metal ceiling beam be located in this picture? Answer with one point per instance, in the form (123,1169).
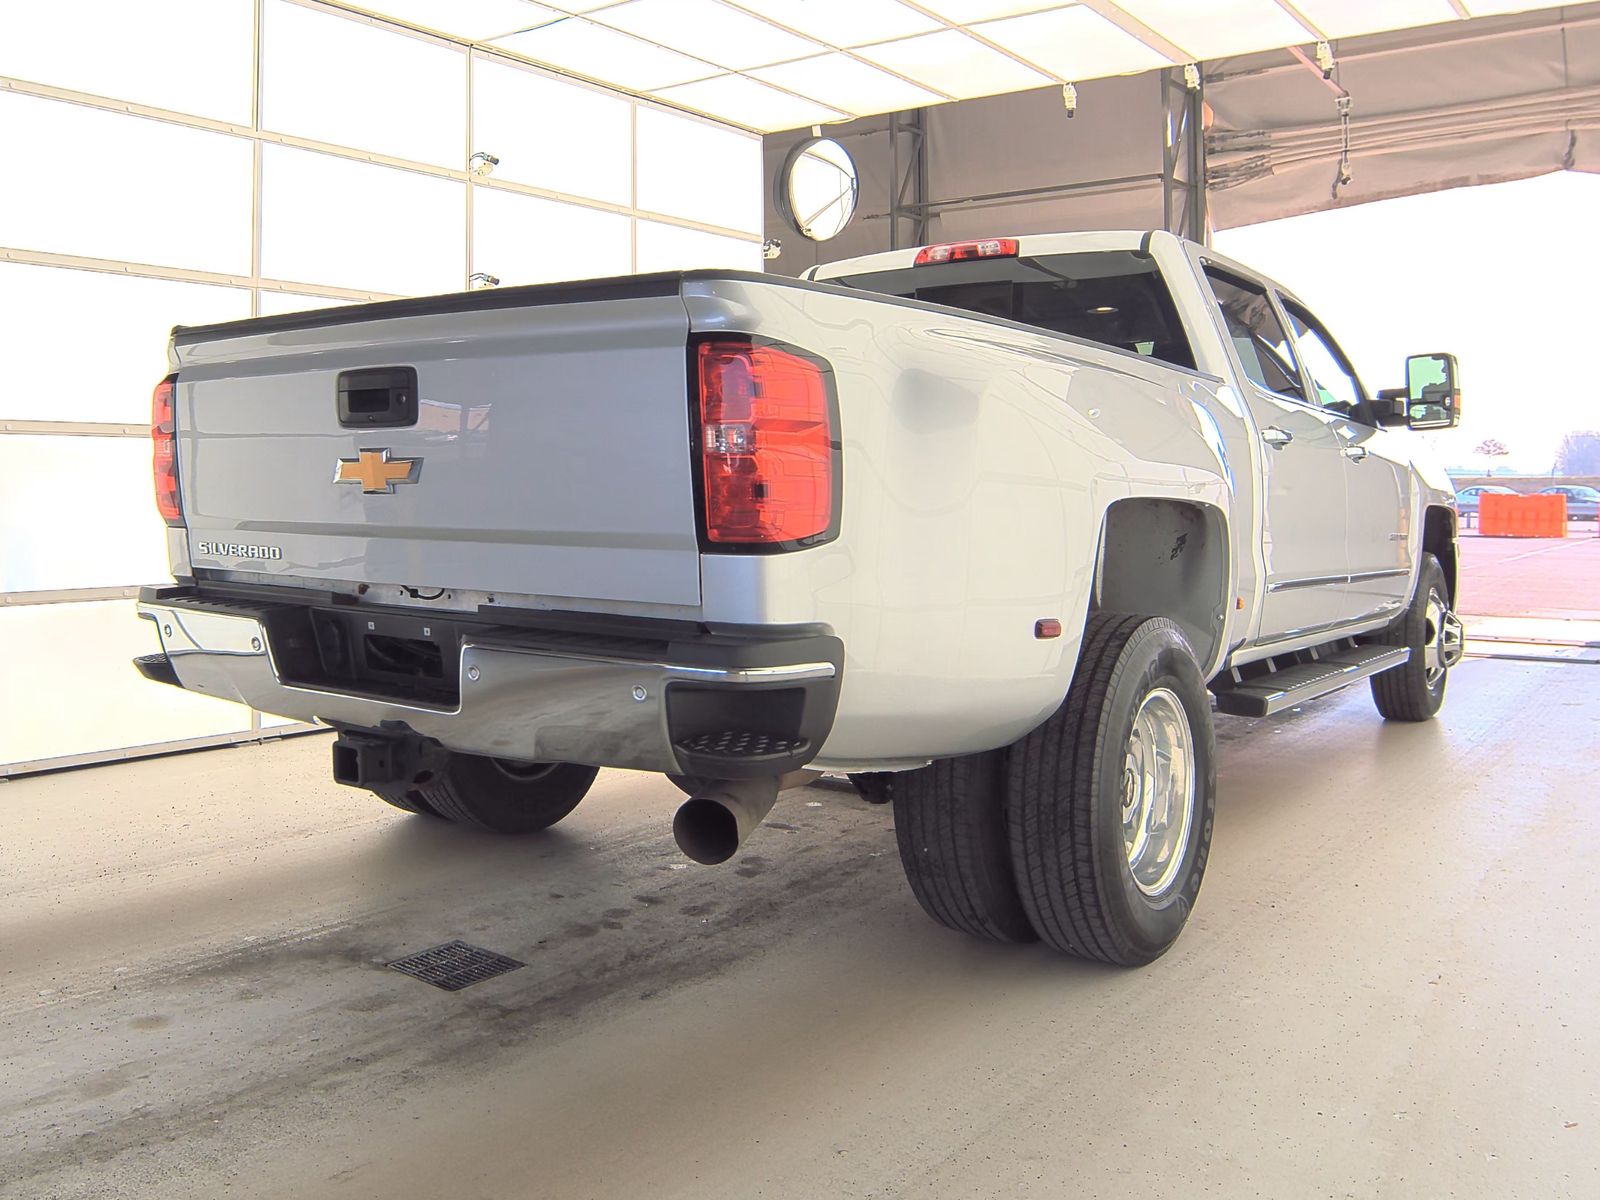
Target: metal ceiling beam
(1134,27)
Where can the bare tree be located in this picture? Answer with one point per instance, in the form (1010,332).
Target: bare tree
(1491,449)
(1579,453)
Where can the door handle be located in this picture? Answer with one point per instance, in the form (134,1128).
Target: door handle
(1275,437)
(377,397)
(1355,453)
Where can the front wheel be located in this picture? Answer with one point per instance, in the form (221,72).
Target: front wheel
(1414,691)
(1110,802)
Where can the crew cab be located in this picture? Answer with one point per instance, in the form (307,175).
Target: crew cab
(990,527)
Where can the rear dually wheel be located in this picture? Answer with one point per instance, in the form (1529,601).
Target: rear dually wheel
(1110,802)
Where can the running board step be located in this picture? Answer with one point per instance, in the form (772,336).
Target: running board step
(1263,695)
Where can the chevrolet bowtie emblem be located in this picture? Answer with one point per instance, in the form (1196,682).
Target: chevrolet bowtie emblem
(376,472)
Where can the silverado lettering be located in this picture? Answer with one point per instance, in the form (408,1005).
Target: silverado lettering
(236,550)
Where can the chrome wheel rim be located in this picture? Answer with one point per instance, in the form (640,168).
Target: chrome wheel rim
(1157,792)
(523,772)
(1443,639)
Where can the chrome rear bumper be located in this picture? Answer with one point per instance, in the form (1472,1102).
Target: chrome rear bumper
(518,699)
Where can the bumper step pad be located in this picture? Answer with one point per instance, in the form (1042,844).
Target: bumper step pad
(742,744)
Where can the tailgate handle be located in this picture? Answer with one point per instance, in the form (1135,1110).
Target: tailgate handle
(376,397)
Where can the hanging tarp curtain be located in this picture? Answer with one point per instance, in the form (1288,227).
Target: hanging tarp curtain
(1443,106)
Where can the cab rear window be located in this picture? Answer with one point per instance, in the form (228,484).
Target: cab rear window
(1114,297)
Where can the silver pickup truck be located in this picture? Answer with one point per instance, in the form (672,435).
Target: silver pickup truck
(991,527)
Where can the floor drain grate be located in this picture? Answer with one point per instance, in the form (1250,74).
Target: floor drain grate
(455,965)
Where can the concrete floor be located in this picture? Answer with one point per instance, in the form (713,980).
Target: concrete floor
(1390,988)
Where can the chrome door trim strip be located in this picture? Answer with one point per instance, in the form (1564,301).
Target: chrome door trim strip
(1284,585)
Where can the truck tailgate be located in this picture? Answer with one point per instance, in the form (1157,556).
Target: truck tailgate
(549,454)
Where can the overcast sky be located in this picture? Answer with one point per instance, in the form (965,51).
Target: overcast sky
(1507,277)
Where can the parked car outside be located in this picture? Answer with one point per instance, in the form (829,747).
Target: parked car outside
(1583,503)
(1467,498)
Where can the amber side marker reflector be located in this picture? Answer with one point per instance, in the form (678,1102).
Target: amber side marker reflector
(1047,628)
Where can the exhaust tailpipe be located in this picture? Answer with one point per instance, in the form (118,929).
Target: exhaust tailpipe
(711,826)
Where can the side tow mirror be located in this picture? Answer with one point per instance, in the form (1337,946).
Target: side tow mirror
(1433,391)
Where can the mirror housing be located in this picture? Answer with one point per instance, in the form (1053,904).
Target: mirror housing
(1392,406)
(1433,391)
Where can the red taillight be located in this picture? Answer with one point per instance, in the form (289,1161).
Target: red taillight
(768,451)
(962,251)
(164,462)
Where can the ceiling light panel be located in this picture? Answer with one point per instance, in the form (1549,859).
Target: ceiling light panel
(1350,18)
(965,12)
(1075,43)
(754,105)
(1220,28)
(953,63)
(1487,8)
(847,84)
(473,20)
(577,45)
(843,23)
(708,30)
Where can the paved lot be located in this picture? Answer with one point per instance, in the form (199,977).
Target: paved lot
(1537,577)
(1391,988)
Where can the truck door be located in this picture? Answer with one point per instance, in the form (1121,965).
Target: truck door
(1377,480)
(1305,507)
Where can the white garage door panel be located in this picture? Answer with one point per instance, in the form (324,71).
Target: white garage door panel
(78,512)
(673,248)
(136,51)
(348,224)
(522,239)
(701,172)
(337,80)
(55,313)
(67,686)
(551,134)
(272,303)
(116,227)
(103,185)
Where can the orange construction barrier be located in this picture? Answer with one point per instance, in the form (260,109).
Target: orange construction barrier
(1522,516)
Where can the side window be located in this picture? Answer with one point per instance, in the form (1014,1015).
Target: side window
(1257,334)
(1337,386)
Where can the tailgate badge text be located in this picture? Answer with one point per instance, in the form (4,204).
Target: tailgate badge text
(238,550)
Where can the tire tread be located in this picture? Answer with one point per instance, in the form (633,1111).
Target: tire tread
(949,824)
(468,790)
(1051,825)
(1401,693)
